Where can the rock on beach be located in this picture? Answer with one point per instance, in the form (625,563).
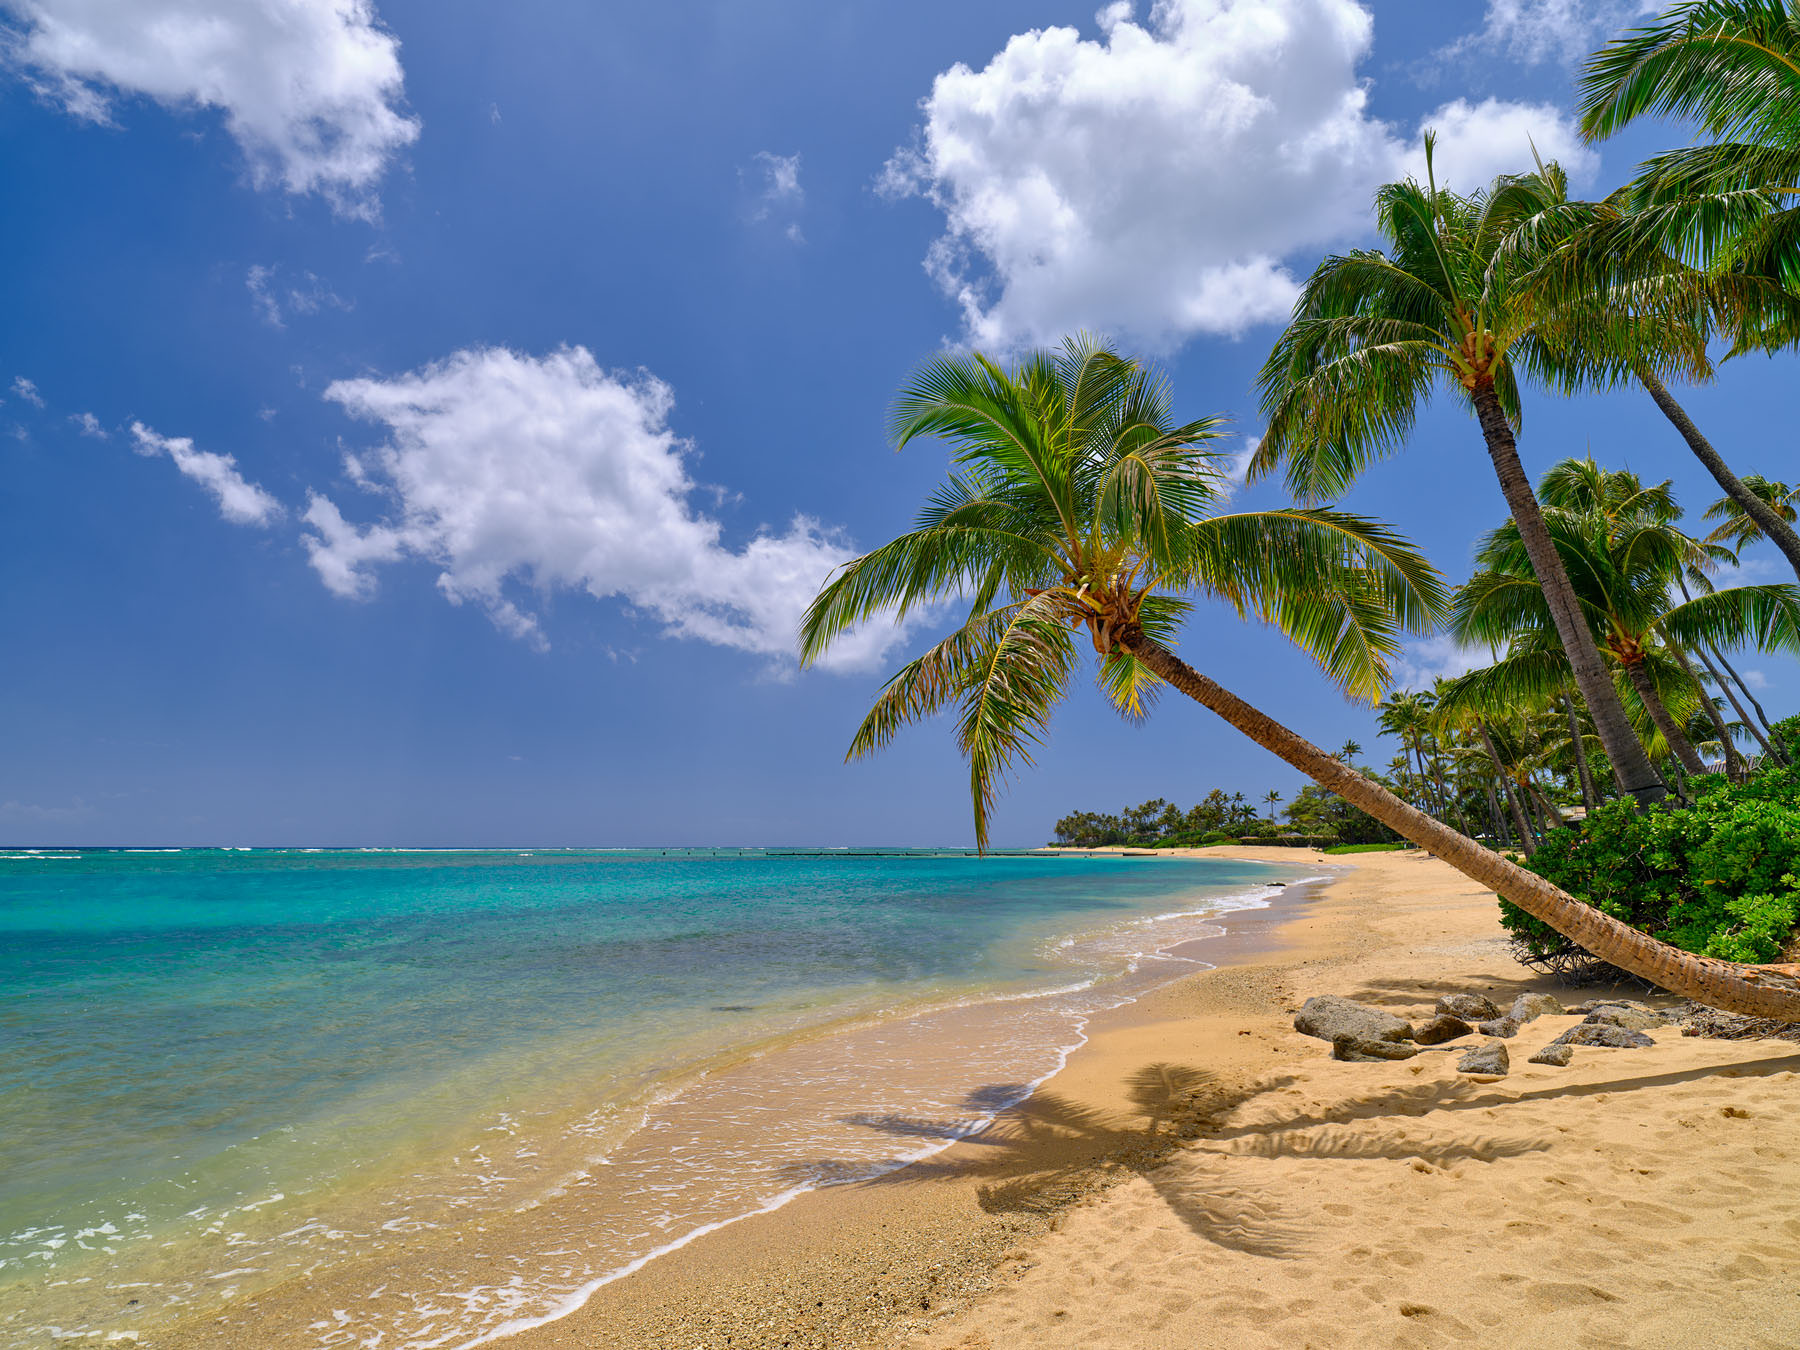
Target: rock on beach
(1328,1017)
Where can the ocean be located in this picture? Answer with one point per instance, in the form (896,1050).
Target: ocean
(223,1072)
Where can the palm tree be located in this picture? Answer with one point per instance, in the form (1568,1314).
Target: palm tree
(1078,507)
(1404,715)
(1623,553)
(1375,332)
(1729,204)
(1272,797)
(1733,66)
(1349,750)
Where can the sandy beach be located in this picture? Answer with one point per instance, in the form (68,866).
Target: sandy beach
(1202,1175)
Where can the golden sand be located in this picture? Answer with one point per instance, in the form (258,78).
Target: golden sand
(1200,1175)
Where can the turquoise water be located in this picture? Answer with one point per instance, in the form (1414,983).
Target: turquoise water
(219,1067)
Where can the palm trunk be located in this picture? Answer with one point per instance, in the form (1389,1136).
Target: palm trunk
(1679,745)
(1734,762)
(1738,680)
(1757,991)
(1527,838)
(1579,745)
(1738,708)
(1547,807)
(1497,820)
(1774,528)
(1630,765)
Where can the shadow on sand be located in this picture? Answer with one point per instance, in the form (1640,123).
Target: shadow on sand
(1053,1151)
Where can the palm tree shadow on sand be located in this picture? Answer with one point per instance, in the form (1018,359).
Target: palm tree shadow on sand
(1055,1151)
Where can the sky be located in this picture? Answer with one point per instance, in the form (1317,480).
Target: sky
(424,422)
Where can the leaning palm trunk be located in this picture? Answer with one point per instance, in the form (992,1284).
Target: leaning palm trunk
(1578,744)
(1679,745)
(1527,838)
(1630,764)
(1743,717)
(1734,762)
(1757,991)
(1774,528)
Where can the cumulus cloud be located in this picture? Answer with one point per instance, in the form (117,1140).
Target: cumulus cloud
(1476,142)
(1564,31)
(773,182)
(89,425)
(240,501)
(1155,181)
(274,299)
(1436,658)
(311,90)
(27,390)
(512,473)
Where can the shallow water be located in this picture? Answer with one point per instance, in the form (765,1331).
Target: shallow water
(220,1070)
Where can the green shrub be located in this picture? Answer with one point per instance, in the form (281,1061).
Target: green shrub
(1369,848)
(1216,837)
(1720,876)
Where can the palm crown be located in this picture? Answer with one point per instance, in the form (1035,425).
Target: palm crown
(1078,505)
(1734,67)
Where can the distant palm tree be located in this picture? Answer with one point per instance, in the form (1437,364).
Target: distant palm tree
(1349,750)
(1272,797)
(1375,332)
(1079,508)
(1737,528)
(1624,554)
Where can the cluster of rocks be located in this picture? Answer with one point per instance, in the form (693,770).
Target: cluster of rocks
(1363,1034)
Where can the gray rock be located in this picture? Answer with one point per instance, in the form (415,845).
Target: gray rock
(1600,1033)
(1503,1027)
(1361,1050)
(1469,1007)
(1556,1053)
(1486,1061)
(1441,1028)
(1328,1017)
(1631,1019)
(1594,1004)
(1529,1007)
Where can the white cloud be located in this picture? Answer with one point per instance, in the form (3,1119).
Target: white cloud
(28,391)
(1234,465)
(1156,181)
(510,471)
(1476,142)
(1564,31)
(310,89)
(773,182)
(1756,679)
(89,425)
(275,299)
(1436,658)
(240,501)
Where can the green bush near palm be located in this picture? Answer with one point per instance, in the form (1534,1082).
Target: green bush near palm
(1720,876)
(1372,848)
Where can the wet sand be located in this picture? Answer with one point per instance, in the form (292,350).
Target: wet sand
(1199,1175)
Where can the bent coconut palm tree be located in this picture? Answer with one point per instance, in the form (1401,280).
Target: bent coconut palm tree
(1079,507)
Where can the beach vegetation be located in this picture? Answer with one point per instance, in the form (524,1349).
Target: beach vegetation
(1718,875)
(1339,849)
(1078,509)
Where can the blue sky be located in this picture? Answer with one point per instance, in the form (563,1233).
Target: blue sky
(423,422)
